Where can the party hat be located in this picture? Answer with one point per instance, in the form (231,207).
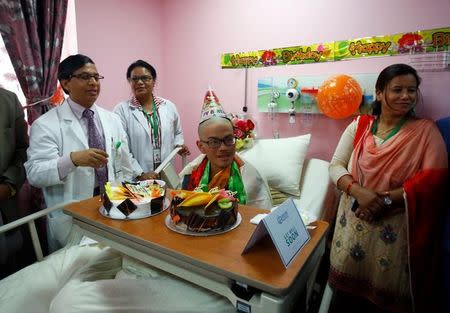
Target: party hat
(211,107)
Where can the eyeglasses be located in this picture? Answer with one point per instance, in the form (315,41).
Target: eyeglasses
(144,78)
(87,77)
(215,143)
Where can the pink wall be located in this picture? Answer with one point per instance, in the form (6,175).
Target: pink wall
(115,33)
(191,35)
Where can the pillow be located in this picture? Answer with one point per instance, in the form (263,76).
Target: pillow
(316,188)
(279,161)
(278,197)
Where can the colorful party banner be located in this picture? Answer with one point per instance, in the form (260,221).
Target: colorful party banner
(362,47)
(436,40)
(280,56)
(306,54)
(236,60)
(418,42)
(424,41)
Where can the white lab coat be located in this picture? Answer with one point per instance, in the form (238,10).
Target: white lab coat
(58,133)
(139,134)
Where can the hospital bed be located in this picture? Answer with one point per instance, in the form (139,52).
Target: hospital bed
(313,194)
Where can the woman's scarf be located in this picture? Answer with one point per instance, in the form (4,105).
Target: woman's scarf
(415,159)
(229,178)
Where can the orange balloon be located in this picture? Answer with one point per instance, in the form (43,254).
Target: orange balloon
(339,96)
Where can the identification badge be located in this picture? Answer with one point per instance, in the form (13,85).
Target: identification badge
(156,157)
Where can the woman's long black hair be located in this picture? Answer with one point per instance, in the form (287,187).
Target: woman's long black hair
(386,76)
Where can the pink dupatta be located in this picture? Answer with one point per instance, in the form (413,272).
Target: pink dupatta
(415,159)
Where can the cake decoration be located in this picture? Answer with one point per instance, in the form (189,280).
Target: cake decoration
(199,211)
(145,196)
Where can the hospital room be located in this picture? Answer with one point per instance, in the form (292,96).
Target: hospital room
(224,156)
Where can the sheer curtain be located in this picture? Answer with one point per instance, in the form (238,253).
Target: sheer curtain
(8,78)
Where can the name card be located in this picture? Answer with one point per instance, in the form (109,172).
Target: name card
(286,230)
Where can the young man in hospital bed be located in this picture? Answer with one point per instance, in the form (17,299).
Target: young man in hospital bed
(98,279)
(219,166)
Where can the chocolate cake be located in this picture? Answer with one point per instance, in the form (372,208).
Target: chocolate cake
(203,211)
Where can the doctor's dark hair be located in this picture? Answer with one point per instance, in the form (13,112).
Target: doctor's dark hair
(140,63)
(385,78)
(70,64)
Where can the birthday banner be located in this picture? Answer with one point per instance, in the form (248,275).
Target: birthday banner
(419,42)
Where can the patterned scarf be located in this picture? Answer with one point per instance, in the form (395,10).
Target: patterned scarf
(229,178)
(134,102)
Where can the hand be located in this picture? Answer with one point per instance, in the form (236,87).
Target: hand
(397,206)
(364,214)
(147,176)
(91,158)
(184,150)
(369,200)
(5,192)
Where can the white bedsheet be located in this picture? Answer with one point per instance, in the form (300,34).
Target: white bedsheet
(33,288)
(92,279)
(138,288)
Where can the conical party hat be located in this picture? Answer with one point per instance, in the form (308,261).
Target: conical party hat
(211,107)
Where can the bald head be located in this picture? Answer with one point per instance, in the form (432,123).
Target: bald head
(212,122)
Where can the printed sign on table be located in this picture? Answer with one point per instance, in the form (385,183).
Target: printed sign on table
(286,229)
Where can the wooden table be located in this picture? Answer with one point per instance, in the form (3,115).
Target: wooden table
(213,262)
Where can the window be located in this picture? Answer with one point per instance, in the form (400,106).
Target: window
(8,78)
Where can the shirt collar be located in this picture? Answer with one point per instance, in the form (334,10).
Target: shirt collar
(134,102)
(78,109)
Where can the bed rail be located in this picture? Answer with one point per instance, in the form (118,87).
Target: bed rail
(29,219)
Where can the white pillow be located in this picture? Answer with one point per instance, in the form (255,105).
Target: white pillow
(279,161)
(315,188)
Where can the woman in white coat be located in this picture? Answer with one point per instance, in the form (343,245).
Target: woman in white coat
(152,123)
(60,159)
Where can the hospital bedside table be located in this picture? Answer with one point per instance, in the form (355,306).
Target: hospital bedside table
(257,278)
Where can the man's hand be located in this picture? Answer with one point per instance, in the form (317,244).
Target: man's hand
(147,176)
(91,158)
(184,150)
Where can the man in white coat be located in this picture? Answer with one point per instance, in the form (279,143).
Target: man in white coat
(62,157)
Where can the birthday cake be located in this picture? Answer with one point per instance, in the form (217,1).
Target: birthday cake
(199,211)
(134,199)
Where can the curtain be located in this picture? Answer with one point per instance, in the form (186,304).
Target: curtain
(33,32)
